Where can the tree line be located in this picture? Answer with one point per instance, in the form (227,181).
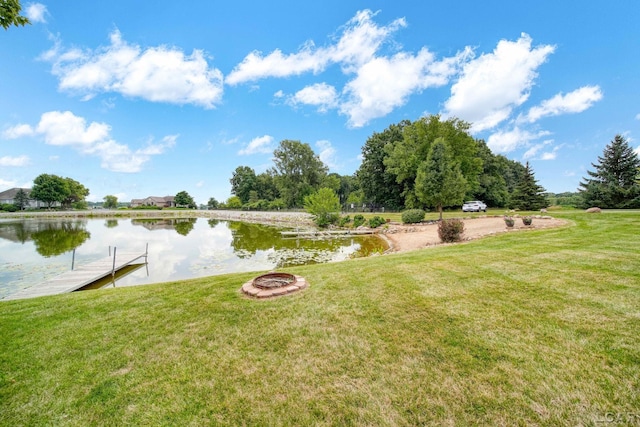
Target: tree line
(426,164)
(430,163)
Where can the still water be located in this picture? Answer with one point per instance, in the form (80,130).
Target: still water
(33,250)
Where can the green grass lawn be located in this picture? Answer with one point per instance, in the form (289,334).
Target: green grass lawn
(523,328)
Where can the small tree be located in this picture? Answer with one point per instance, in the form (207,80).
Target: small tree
(212,203)
(21,200)
(614,183)
(439,181)
(528,195)
(110,202)
(324,205)
(234,202)
(183,199)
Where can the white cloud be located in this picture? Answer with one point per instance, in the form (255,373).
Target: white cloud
(531,152)
(158,74)
(5,185)
(510,140)
(383,84)
(14,161)
(321,95)
(492,85)
(550,155)
(573,102)
(36,12)
(638,116)
(380,83)
(261,144)
(360,40)
(18,131)
(637,150)
(327,153)
(67,129)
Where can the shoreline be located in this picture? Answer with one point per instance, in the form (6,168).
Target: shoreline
(294,219)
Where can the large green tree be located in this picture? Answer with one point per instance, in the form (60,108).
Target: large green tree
(614,182)
(10,14)
(49,189)
(184,199)
(493,188)
(528,195)
(243,182)
(405,157)
(297,171)
(439,181)
(379,185)
(110,202)
(76,194)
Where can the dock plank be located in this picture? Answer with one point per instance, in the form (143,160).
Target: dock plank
(81,276)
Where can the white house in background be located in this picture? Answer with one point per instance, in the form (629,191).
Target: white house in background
(9,197)
(161,202)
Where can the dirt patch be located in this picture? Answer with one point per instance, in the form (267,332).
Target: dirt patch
(403,238)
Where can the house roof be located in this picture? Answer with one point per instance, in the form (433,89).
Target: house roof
(10,194)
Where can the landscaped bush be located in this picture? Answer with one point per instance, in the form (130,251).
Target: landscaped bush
(376,221)
(8,207)
(450,230)
(344,221)
(413,216)
(358,220)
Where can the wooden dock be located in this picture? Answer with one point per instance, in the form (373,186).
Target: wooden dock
(81,276)
(327,233)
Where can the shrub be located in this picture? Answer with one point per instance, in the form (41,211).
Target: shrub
(324,205)
(358,220)
(450,230)
(376,221)
(412,216)
(344,221)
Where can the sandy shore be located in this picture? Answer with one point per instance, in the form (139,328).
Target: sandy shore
(404,238)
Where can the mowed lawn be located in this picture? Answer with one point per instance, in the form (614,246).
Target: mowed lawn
(523,328)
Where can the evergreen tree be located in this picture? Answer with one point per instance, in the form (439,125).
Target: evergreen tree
(528,195)
(439,181)
(614,183)
(21,200)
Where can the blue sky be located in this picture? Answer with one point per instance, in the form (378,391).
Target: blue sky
(141,99)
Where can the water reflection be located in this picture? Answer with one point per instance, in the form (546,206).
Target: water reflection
(182,248)
(110,223)
(182,226)
(50,238)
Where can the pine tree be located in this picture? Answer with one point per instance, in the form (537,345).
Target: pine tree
(528,195)
(439,181)
(614,183)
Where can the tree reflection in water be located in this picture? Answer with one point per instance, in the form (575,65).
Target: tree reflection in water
(50,238)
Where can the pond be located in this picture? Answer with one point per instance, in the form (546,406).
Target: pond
(33,250)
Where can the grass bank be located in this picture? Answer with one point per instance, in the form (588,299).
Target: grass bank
(536,328)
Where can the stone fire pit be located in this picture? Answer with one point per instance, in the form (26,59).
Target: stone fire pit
(274,285)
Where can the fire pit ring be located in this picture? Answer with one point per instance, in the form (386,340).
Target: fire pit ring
(274,284)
